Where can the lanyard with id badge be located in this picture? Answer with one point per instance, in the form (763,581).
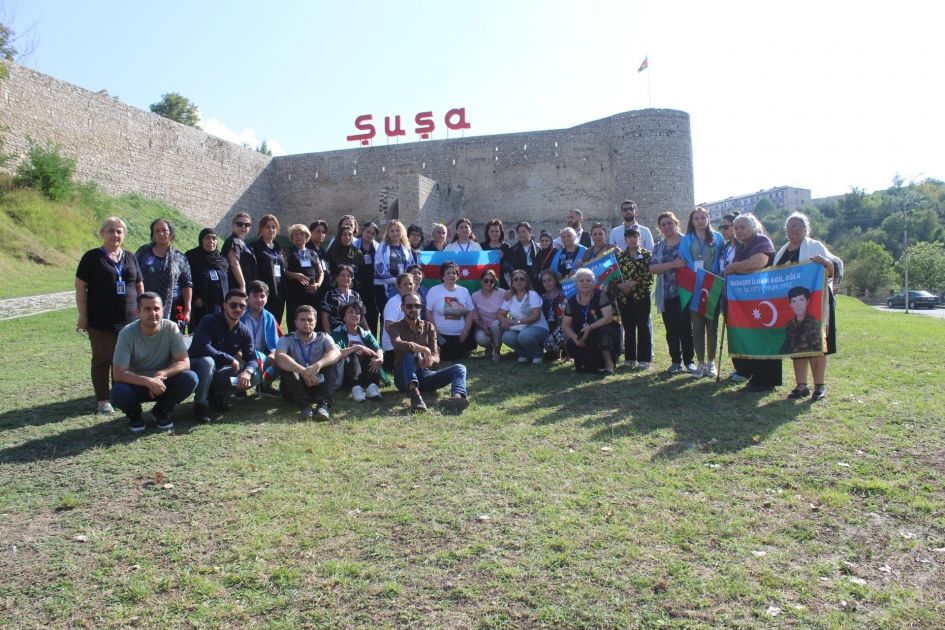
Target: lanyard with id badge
(120,287)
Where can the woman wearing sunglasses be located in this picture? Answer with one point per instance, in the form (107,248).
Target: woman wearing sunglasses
(488,300)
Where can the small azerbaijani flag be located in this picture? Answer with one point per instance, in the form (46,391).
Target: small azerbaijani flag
(686,283)
(605,268)
(709,289)
(760,311)
(645,64)
(471,266)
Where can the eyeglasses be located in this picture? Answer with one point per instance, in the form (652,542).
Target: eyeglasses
(412,306)
(488,281)
(725,227)
(242,224)
(519,278)
(237,305)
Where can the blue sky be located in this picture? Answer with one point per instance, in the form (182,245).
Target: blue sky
(822,95)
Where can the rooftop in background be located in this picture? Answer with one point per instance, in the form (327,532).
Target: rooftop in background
(782,197)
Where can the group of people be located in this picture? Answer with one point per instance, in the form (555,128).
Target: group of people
(358,317)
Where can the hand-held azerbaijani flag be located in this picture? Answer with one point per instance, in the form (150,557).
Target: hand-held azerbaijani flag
(709,289)
(471,266)
(605,268)
(645,64)
(761,320)
(685,286)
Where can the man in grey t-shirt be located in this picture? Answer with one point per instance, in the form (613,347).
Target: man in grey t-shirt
(150,363)
(303,357)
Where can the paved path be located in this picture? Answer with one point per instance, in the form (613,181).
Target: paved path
(35,304)
(938,313)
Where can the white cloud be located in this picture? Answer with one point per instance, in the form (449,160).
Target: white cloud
(218,128)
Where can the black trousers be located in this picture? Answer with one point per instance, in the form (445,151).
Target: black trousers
(678,332)
(355,372)
(637,340)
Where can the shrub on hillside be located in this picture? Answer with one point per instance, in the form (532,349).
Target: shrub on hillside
(46,169)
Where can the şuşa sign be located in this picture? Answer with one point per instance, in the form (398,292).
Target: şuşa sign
(454,119)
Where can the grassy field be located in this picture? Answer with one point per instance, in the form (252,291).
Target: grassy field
(41,241)
(556,500)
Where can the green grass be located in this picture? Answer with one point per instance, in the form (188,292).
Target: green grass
(42,240)
(642,501)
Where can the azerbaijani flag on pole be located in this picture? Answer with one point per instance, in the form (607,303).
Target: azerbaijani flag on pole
(605,268)
(645,64)
(764,307)
(686,286)
(471,266)
(709,289)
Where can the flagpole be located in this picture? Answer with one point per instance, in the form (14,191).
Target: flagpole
(649,90)
(718,368)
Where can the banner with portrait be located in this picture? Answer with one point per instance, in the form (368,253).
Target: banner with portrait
(777,313)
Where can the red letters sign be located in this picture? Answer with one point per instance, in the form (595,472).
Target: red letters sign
(454,119)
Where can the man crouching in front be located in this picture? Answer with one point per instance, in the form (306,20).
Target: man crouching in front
(303,358)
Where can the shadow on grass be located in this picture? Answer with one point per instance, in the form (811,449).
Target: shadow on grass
(704,415)
(47,413)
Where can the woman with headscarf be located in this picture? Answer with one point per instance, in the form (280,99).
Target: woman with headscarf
(209,271)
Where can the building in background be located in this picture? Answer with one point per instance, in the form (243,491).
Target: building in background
(782,197)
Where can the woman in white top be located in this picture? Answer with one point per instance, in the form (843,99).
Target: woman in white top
(451,309)
(464,240)
(488,301)
(524,327)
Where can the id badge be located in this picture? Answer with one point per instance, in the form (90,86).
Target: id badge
(120,288)
(569,264)
(214,276)
(305,263)
(277,271)
(368,259)
(699,265)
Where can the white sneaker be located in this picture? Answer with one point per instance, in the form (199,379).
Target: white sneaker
(373,391)
(629,364)
(643,365)
(357,392)
(523,359)
(537,360)
(104,408)
(691,368)
(710,369)
(699,372)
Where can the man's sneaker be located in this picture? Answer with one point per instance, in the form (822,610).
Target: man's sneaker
(710,369)
(305,412)
(523,359)
(629,364)
(643,365)
(322,412)
(691,368)
(699,372)
(136,424)
(373,391)
(357,392)
(537,360)
(416,401)
(201,413)
(455,404)
(675,368)
(162,419)
(735,377)
(104,408)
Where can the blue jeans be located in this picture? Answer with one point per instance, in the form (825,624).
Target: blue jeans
(526,342)
(428,380)
(214,381)
(129,397)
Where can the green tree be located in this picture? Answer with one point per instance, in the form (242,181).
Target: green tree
(764,207)
(872,269)
(46,169)
(926,266)
(264,148)
(178,108)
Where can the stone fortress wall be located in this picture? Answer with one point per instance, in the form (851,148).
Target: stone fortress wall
(645,155)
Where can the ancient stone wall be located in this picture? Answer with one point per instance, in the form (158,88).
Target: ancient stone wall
(124,149)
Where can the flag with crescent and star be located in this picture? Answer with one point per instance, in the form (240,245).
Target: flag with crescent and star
(708,288)
(471,266)
(605,268)
(761,315)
